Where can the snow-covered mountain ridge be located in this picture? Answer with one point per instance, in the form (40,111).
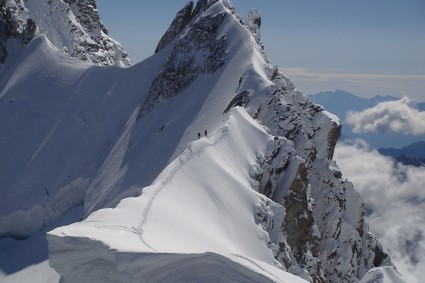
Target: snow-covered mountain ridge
(258,196)
(74,27)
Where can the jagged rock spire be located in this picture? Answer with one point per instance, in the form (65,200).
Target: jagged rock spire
(253,23)
(182,19)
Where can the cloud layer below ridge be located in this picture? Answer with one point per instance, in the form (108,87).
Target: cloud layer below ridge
(389,117)
(394,197)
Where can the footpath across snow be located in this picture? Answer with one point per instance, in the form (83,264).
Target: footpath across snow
(194,196)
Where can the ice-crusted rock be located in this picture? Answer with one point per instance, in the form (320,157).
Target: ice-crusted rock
(74,27)
(198,50)
(253,23)
(183,17)
(283,178)
(14,24)
(241,99)
(332,239)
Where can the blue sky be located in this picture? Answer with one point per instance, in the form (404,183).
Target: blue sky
(365,47)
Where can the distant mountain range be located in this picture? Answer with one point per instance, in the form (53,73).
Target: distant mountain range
(413,154)
(339,102)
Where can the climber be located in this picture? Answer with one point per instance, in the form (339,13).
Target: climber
(199,136)
(205,133)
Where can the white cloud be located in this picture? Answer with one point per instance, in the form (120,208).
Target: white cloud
(394,199)
(389,117)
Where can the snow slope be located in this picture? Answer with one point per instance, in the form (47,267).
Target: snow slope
(60,118)
(212,216)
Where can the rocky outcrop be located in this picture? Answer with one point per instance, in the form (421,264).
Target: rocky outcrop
(253,23)
(79,33)
(183,17)
(241,99)
(324,223)
(14,24)
(197,51)
(283,177)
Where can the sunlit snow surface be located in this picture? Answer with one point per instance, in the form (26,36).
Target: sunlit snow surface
(200,207)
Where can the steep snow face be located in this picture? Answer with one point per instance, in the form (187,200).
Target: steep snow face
(74,27)
(60,118)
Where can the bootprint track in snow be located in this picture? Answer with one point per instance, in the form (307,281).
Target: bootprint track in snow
(187,155)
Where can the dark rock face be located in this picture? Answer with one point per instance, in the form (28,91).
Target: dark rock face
(198,51)
(284,179)
(183,17)
(86,13)
(241,99)
(298,220)
(254,24)
(13,26)
(3,31)
(333,137)
(30,31)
